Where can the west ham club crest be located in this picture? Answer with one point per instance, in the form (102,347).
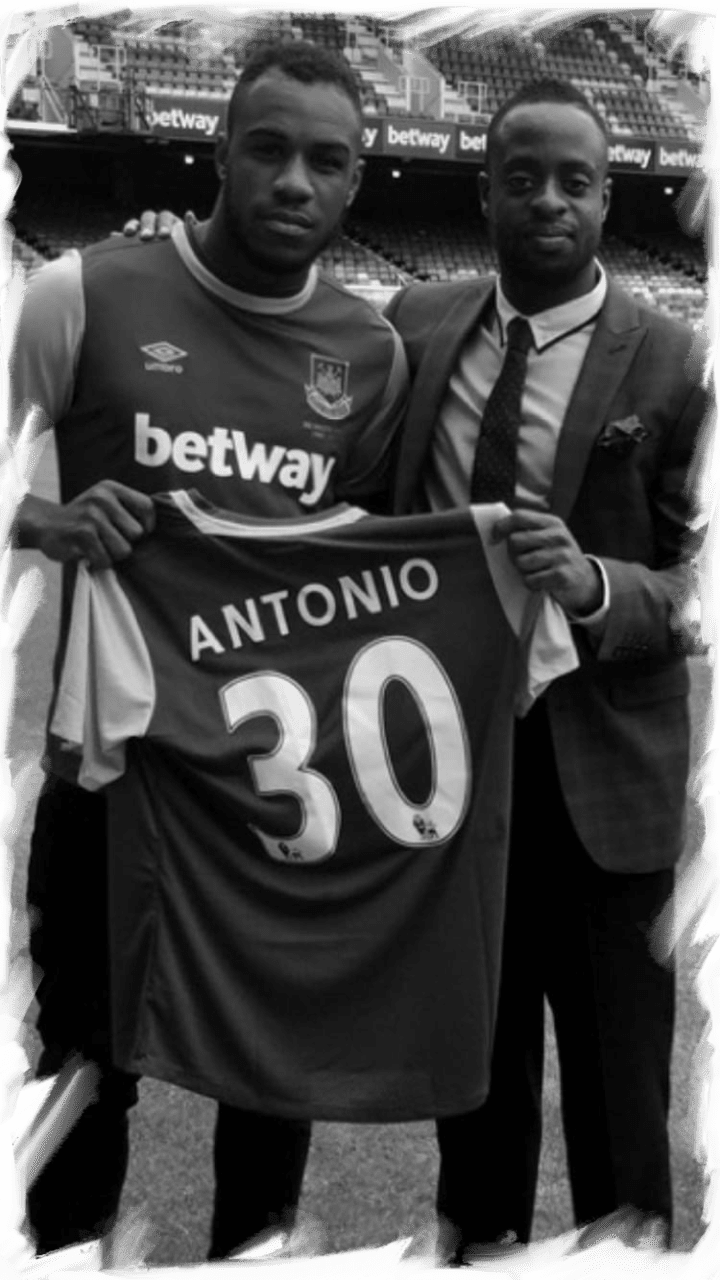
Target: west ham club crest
(326,391)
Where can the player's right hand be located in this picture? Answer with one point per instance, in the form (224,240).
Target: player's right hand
(151,225)
(100,525)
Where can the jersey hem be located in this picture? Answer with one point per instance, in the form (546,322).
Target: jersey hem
(143,1065)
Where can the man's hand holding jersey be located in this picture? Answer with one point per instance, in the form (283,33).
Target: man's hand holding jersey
(99,526)
(548,558)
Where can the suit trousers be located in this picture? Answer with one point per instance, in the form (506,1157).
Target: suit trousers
(579,936)
(259,1160)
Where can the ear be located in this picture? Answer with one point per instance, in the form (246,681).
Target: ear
(484,190)
(355,182)
(606,193)
(221,157)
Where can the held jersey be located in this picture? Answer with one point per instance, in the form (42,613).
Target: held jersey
(158,375)
(305,735)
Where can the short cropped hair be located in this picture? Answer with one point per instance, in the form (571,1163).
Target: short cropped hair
(545,89)
(300,60)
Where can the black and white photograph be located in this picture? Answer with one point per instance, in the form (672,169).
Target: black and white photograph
(360,883)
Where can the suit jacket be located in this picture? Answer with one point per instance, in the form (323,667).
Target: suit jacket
(620,723)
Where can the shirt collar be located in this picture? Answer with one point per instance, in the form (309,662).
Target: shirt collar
(181,235)
(548,326)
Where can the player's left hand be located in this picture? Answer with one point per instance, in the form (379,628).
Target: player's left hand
(547,556)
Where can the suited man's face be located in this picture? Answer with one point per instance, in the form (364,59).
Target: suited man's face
(546,196)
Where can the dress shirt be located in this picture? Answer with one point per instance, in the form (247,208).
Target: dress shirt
(561,337)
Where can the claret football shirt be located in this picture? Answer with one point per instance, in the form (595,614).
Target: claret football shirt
(304,730)
(157,374)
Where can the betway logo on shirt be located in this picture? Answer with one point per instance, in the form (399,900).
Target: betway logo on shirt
(226,452)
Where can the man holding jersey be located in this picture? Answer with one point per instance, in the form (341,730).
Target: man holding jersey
(220,359)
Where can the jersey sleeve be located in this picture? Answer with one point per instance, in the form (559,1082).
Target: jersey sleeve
(106,693)
(541,626)
(48,340)
(368,468)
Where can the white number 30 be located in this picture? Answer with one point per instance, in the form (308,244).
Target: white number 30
(285,770)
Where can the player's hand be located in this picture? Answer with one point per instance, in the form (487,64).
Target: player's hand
(100,525)
(151,225)
(548,558)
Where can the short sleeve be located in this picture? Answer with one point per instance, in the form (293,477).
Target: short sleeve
(49,337)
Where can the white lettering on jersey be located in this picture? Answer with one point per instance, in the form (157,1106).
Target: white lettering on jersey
(201,637)
(190,451)
(257,461)
(315,604)
(251,624)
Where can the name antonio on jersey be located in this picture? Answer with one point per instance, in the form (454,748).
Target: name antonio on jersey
(315,604)
(226,451)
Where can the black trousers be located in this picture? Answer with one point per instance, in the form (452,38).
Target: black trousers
(578,935)
(258,1160)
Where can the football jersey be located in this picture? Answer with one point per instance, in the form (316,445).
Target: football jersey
(157,374)
(305,735)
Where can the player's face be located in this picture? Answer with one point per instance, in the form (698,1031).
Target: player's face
(546,197)
(290,169)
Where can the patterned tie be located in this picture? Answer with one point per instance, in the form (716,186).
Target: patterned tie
(493,473)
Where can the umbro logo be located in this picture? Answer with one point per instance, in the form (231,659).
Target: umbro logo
(164,357)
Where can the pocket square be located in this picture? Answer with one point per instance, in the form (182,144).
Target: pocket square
(623,434)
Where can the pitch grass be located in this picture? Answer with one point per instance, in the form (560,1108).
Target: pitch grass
(366,1184)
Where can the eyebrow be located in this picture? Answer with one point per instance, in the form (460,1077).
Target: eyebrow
(528,161)
(276,132)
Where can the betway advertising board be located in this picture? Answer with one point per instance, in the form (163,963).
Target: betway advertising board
(675,157)
(197,119)
(203,119)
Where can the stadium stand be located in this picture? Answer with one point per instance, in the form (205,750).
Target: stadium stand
(104,61)
(379,254)
(635,90)
(460,249)
(614,86)
(28,258)
(683,254)
(103,75)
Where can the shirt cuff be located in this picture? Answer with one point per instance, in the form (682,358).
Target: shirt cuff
(598,615)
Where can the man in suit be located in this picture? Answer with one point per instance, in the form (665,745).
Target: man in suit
(589,436)
(553,389)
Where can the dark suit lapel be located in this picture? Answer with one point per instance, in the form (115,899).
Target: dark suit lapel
(617,335)
(430,385)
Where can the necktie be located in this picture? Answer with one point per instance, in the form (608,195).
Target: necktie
(493,473)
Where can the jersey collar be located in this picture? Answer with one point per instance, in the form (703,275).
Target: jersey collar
(235,297)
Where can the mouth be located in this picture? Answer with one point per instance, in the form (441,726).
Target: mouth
(293,225)
(550,237)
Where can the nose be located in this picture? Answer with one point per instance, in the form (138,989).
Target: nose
(550,199)
(293,183)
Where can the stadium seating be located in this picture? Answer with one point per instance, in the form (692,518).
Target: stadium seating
(605,57)
(380,253)
(684,255)
(167,62)
(599,57)
(171,64)
(425,250)
(356,263)
(48,226)
(579,55)
(28,258)
(459,249)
